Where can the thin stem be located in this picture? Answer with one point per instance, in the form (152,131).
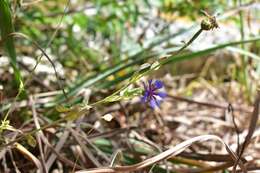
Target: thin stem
(190,41)
(244,57)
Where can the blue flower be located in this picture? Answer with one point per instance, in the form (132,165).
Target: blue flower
(152,95)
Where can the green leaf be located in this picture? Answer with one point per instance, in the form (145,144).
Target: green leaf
(31,141)
(131,92)
(76,111)
(113,98)
(62,109)
(7,28)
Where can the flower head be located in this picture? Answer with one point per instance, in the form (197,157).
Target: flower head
(152,95)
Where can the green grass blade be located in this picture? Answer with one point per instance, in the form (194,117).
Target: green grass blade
(6,28)
(188,56)
(244,52)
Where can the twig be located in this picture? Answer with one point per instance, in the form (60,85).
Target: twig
(38,134)
(85,149)
(59,156)
(213,105)
(231,111)
(58,147)
(13,162)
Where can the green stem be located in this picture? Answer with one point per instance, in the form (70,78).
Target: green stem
(244,57)
(190,41)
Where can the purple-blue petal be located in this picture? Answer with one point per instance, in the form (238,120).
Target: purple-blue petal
(161,94)
(158,84)
(153,103)
(145,97)
(151,95)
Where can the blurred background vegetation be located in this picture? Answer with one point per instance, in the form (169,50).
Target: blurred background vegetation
(96,45)
(94,36)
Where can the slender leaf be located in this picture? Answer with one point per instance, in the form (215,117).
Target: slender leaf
(6,27)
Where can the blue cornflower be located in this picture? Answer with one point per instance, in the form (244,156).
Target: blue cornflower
(152,95)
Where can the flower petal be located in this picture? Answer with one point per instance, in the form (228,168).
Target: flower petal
(150,84)
(161,94)
(150,95)
(158,84)
(145,97)
(155,103)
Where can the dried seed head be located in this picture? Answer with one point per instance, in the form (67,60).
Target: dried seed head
(209,23)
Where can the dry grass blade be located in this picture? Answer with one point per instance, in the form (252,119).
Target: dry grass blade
(84,148)
(253,123)
(13,162)
(190,162)
(38,134)
(29,155)
(214,168)
(58,147)
(115,158)
(231,112)
(164,155)
(207,157)
(59,156)
(251,129)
